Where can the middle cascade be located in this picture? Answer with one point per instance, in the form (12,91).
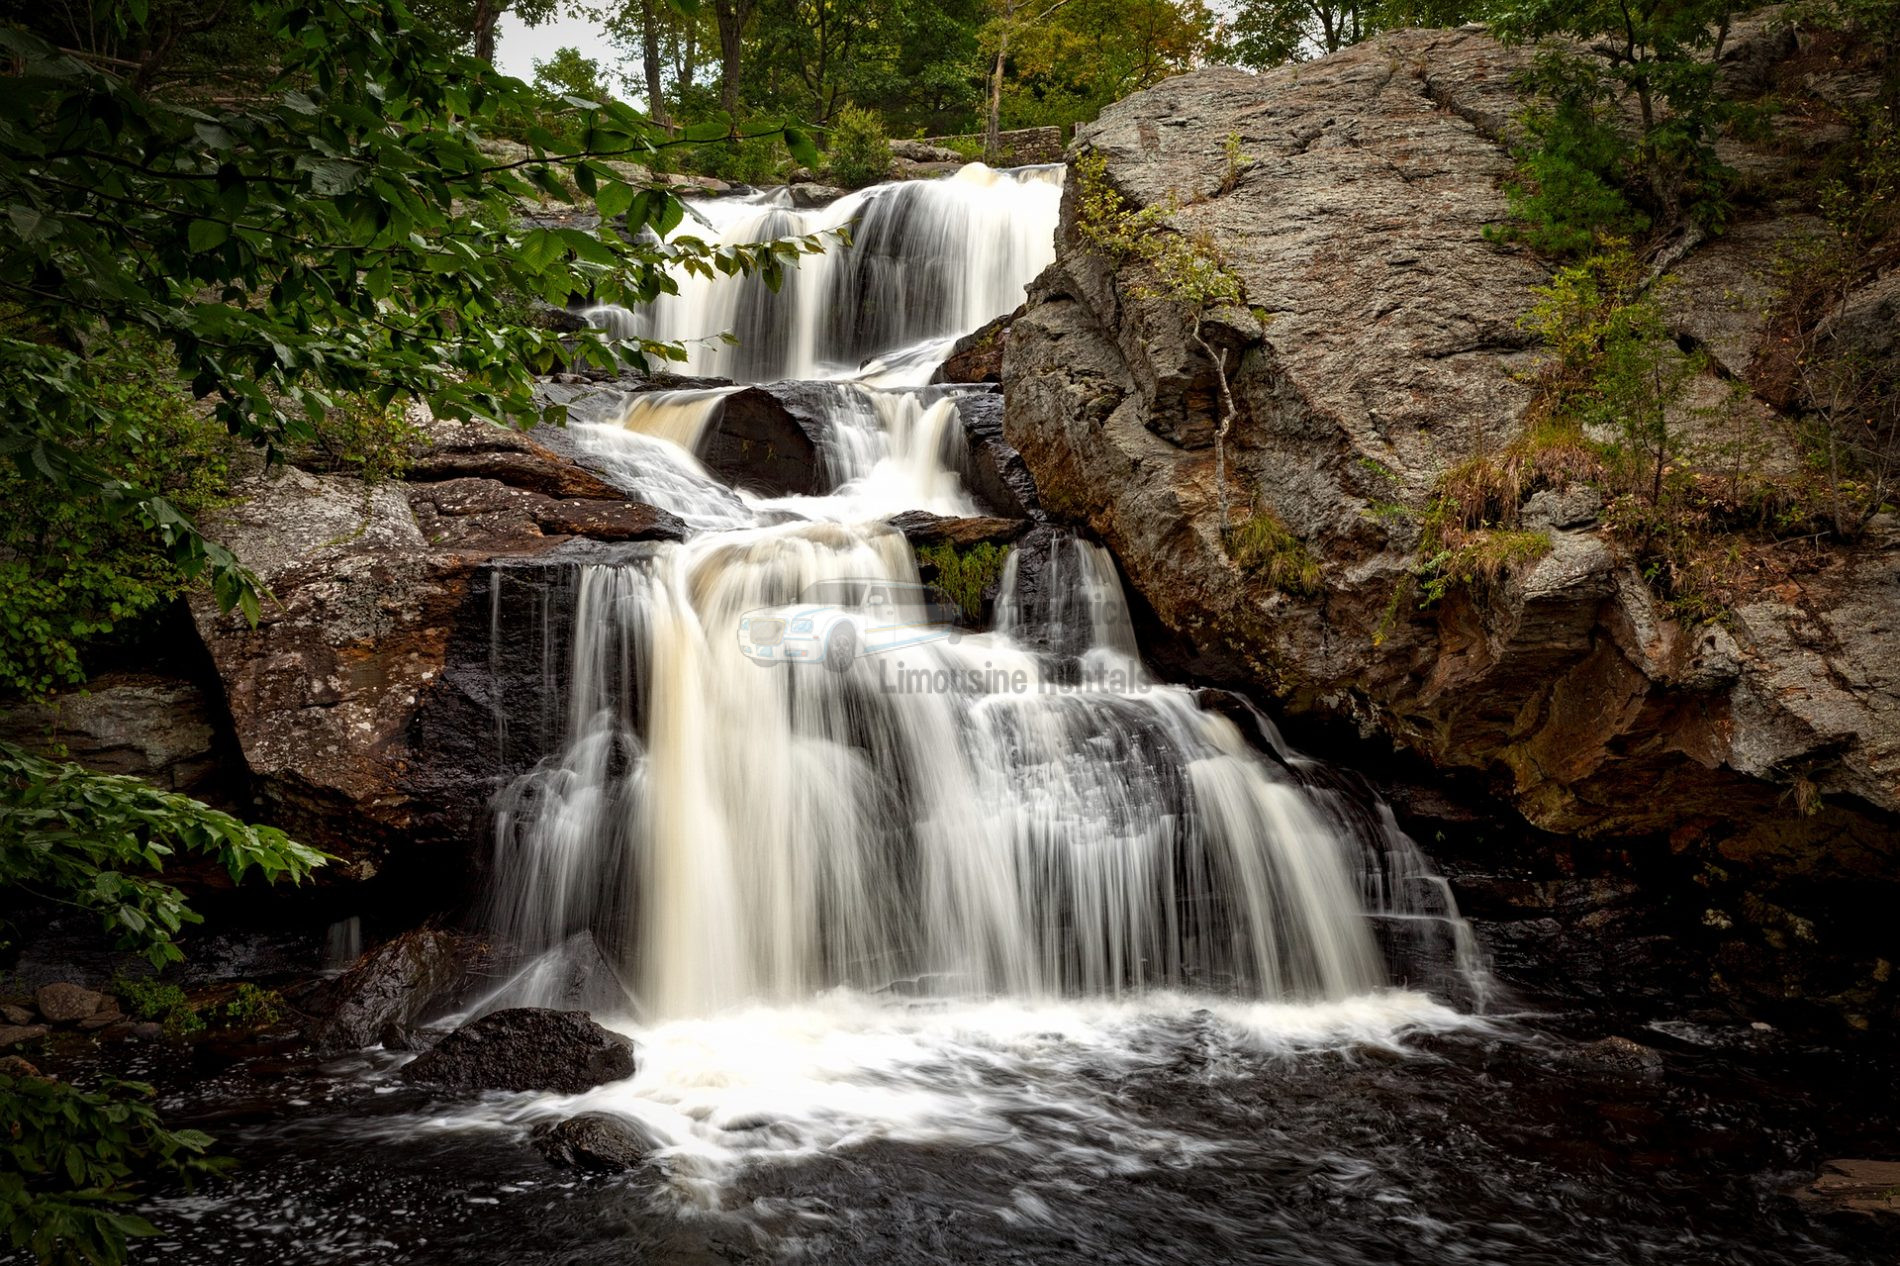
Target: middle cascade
(1021,812)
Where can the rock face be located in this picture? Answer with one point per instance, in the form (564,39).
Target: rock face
(526,1049)
(353,721)
(1382,344)
(978,355)
(156,726)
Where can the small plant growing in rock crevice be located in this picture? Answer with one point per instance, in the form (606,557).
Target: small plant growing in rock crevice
(1186,269)
(964,576)
(1265,547)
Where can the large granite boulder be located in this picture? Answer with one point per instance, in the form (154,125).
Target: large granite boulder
(1382,342)
(365,702)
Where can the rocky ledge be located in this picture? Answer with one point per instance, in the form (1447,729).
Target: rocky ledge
(1382,344)
(363,704)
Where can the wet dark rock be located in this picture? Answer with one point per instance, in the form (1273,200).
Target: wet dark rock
(396,985)
(1620,1055)
(767,439)
(526,1049)
(16,1015)
(394,1037)
(594,1141)
(15,1034)
(67,1003)
(921,528)
(14,1066)
(339,696)
(978,355)
(995,473)
(560,320)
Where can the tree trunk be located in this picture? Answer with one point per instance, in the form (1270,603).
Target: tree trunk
(487,13)
(992,133)
(650,62)
(1227,412)
(732,16)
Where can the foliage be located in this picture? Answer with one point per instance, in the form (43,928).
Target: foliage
(1852,394)
(1264,547)
(369,439)
(343,232)
(92,841)
(75,572)
(859,153)
(1071,59)
(756,160)
(568,74)
(1572,168)
(964,576)
(911,62)
(1267,33)
(1616,369)
(252,1007)
(163,1002)
(1180,268)
(1658,55)
(74,1158)
(1479,559)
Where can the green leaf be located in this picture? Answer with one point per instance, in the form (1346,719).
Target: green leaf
(613,199)
(206,235)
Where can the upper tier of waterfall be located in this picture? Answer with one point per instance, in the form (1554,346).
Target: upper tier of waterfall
(928,261)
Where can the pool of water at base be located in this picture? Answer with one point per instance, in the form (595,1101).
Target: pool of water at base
(1143,1133)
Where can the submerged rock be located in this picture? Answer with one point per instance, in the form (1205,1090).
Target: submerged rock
(527,1048)
(594,1141)
(1860,1186)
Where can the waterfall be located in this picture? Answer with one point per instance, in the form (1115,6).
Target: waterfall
(1022,812)
(928,261)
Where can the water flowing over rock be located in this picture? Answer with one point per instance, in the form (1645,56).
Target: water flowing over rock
(526,1048)
(594,1141)
(1388,346)
(354,726)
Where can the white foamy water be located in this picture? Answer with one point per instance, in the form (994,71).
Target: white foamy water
(929,260)
(938,896)
(786,1084)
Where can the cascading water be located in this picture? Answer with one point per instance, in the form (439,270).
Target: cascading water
(929,261)
(1010,832)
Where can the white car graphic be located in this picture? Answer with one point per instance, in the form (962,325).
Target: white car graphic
(835,621)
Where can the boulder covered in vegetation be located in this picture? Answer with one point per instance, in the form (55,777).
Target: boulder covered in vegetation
(526,1048)
(1414,543)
